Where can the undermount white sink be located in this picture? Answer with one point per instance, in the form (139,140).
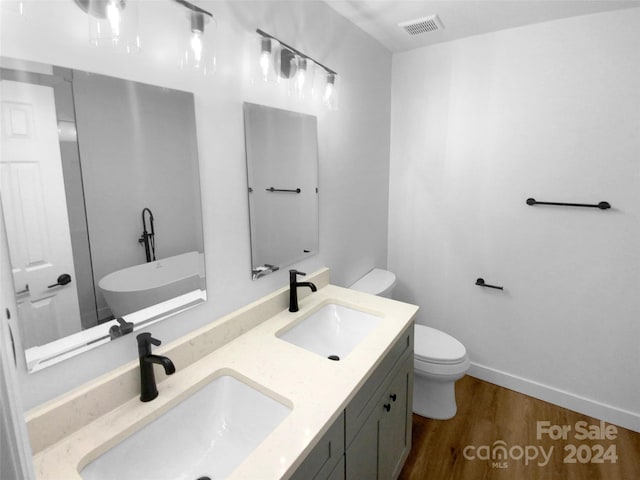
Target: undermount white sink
(207,435)
(333,331)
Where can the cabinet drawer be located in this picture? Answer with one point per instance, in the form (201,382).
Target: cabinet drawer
(363,403)
(323,460)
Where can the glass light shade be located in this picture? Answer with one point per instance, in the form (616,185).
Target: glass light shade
(304,78)
(199,55)
(113,24)
(330,95)
(265,60)
(266,55)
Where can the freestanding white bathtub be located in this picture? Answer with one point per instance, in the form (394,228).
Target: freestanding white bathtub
(134,288)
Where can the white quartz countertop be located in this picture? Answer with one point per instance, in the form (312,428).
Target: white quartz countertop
(317,389)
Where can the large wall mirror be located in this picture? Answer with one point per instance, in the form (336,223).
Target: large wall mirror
(282,177)
(101,200)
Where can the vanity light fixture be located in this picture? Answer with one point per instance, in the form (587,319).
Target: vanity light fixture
(112,23)
(296,67)
(198,54)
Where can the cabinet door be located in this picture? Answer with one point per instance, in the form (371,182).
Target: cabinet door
(362,454)
(338,471)
(394,436)
(321,462)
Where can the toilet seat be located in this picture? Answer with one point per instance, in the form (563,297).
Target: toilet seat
(435,347)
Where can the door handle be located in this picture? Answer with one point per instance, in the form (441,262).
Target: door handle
(7,313)
(62,280)
(22,292)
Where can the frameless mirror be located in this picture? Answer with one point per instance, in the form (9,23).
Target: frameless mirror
(282,177)
(101,200)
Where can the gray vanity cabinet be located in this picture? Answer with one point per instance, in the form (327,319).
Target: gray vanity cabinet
(381,446)
(372,438)
(394,423)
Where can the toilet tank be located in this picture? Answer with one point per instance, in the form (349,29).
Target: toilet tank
(377,282)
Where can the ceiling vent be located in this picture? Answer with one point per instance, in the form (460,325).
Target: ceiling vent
(422,25)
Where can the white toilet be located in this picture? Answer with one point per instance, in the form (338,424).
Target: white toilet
(439,359)
(377,282)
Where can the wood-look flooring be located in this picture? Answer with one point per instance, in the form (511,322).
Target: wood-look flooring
(493,416)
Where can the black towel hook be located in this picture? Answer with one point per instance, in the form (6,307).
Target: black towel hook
(480,283)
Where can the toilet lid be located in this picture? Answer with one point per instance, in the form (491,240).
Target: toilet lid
(375,282)
(431,345)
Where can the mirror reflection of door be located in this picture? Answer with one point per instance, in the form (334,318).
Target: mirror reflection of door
(35,210)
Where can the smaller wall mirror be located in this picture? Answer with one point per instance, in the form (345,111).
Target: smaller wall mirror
(282,178)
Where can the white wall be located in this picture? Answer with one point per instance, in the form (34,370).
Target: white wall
(353,145)
(548,111)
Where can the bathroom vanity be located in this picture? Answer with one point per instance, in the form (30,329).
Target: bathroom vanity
(339,419)
(372,438)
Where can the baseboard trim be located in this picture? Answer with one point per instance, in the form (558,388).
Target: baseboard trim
(562,398)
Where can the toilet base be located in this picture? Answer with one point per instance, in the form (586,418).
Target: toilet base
(435,397)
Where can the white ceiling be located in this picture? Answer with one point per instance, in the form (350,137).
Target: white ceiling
(461,18)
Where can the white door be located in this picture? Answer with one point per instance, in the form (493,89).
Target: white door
(15,452)
(35,212)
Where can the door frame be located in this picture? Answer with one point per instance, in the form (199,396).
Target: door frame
(11,408)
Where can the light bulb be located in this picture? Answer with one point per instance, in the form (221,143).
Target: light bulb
(265,58)
(301,75)
(113,15)
(196,47)
(328,93)
(329,98)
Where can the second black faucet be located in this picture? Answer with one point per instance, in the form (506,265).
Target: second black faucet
(293,289)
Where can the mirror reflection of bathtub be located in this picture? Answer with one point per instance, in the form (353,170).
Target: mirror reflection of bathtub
(51,353)
(134,288)
(142,294)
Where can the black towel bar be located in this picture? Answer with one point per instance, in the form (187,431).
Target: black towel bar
(297,190)
(480,283)
(601,205)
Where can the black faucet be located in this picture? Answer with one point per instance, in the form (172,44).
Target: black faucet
(148,388)
(293,289)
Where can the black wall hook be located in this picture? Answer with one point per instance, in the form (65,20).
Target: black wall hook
(480,283)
